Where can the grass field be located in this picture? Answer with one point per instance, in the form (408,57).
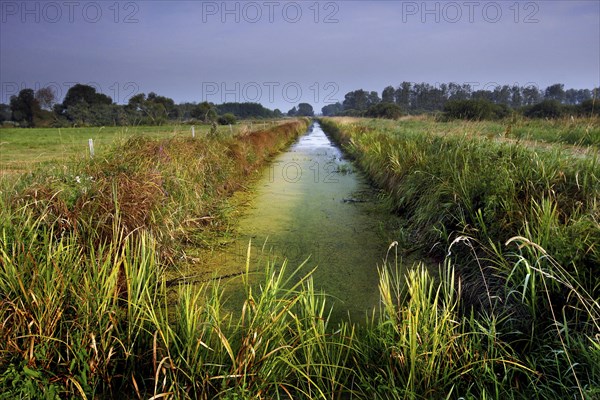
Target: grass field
(512,313)
(581,134)
(23,149)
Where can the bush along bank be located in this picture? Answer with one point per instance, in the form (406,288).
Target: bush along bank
(521,227)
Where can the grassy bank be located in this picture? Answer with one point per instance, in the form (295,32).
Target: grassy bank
(71,231)
(171,186)
(458,182)
(520,225)
(22,149)
(84,309)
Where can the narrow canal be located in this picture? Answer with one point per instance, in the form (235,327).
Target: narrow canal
(311,203)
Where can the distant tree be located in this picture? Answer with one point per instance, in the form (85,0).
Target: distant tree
(482,94)
(277,113)
(305,110)
(387,95)
(25,108)
(516,98)
(373,98)
(458,92)
(436,98)
(84,93)
(166,106)
(82,114)
(555,92)
(79,114)
(502,94)
(292,112)
(82,105)
(245,110)
(385,110)
(571,97)
(136,103)
(531,95)
(205,111)
(332,109)
(184,110)
(356,100)
(577,96)
(589,107)
(402,95)
(154,109)
(425,97)
(584,95)
(45,97)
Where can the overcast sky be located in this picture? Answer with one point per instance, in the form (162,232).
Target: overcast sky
(282,53)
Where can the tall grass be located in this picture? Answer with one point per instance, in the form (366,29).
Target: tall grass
(99,322)
(174,187)
(72,327)
(81,245)
(463,192)
(71,322)
(467,185)
(86,311)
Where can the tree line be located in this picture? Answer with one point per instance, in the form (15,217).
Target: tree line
(457,100)
(84,106)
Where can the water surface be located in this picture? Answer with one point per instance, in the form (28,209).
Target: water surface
(311,203)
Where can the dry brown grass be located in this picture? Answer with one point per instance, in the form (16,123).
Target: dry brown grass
(141,185)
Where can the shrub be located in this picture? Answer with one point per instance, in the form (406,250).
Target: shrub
(227,119)
(352,113)
(545,109)
(588,108)
(385,110)
(474,110)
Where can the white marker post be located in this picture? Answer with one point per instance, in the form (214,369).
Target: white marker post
(91,144)
(230,129)
(193,131)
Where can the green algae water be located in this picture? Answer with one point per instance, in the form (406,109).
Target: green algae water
(311,204)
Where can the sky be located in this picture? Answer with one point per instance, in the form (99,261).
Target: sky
(281,53)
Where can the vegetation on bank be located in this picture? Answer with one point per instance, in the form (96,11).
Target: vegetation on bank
(519,223)
(22,150)
(86,310)
(463,183)
(75,236)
